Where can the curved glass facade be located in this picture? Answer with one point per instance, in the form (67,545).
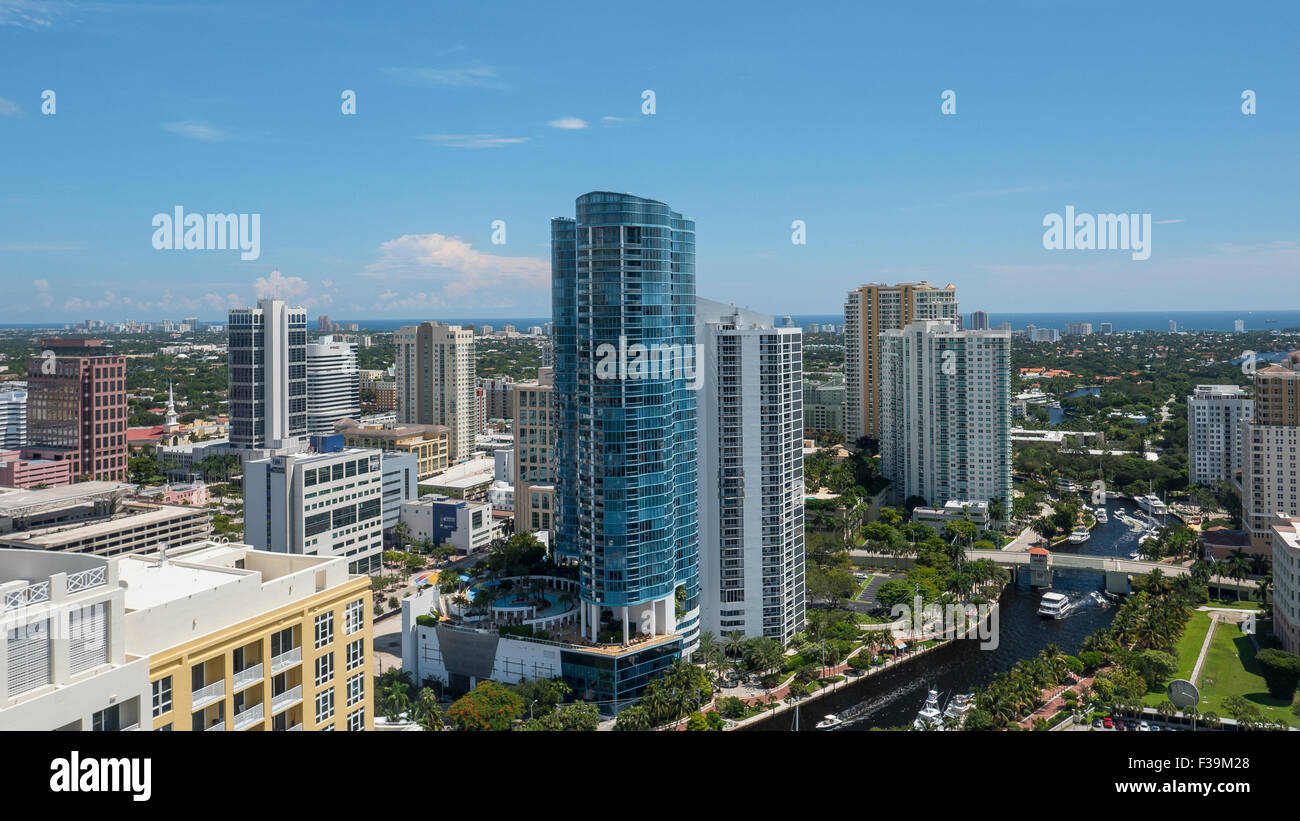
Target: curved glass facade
(623,274)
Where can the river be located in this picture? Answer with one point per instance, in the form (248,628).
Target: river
(893,697)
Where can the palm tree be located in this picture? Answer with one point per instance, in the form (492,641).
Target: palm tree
(427,712)
(396,700)
(734,644)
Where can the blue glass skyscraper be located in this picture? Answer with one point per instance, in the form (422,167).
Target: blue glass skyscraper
(623,275)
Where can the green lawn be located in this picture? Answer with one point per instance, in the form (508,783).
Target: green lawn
(1230,669)
(1233,604)
(1189,647)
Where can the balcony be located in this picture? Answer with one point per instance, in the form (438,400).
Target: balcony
(286,699)
(286,660)
(220,725)
(206,695)
(247,718)
(295,727)
(247,676)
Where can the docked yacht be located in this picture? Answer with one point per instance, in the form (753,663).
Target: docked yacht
(1151,504)
(1055,605)
(959,706)
(1101,515)
(931,715)
(830,722)
(1079,535)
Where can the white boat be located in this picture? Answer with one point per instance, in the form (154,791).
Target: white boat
(1101,515)
(1135,555)
(829,722)
(1079,535)
(1055,605)
(959,706)
(1099,599)
(1151,504)
(931,716)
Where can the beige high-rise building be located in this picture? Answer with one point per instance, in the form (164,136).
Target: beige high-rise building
(436,382)
(533,468)
(1270,439)
(870,310)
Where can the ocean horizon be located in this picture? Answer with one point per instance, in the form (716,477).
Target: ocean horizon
(1134,321)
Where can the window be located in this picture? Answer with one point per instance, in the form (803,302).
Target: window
(324,629)
(324,668)
(107,720)
(356,689)
(356,654)
(162,696)
(282,642)
(324,705)
(166,728)
(355,616)
(357,720)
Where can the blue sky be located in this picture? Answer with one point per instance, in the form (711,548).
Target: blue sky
(765,113)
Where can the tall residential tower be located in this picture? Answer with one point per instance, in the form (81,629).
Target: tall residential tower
(435,381)
(268,375)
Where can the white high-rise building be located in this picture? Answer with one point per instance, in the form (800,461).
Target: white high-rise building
(1215,414)
(751,491)
(1078,329)
(1270,444)
(436,383)
(946,413)
(13,419)
(1239,326)
(318,504)
(870,310)
(267,375)
(333,384)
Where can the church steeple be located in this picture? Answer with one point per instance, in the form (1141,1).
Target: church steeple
(172,422)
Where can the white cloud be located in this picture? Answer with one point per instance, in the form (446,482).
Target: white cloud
(221,304)
(76,303)
(279,286)
(475,77)
(42,287)
(1168,222)
(568,123)
(30,14)
(197,131)
(9,108)
(611,119)
(472,140)
(460,276)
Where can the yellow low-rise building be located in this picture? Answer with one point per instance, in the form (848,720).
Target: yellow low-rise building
(429,443)
(242,639)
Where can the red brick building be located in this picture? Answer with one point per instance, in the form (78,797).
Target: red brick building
(76,408)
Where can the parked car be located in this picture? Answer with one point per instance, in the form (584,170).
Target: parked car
(1144,727)
(1107,723)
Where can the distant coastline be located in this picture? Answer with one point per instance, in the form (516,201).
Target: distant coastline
(1134,321)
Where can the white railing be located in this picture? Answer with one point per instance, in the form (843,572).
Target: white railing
(286,660)
(206,695)
(220,725)
(128,728)
(286,699)
(87,579)
(295,727)
(252,715)
(23,596)
(247,676)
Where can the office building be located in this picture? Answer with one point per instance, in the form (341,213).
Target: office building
(76,408)
(979,321)
(13,419)
(946,413)
(1270,439)
(333,385)
(532,465)
(465,525)
(436,382)
(496,396)
(268,375)
(1215,414)
(623,275)
(823,405)
(871,310)
(1285,537)
(317,504)
(750,445)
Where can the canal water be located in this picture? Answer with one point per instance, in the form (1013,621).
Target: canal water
(893,697)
